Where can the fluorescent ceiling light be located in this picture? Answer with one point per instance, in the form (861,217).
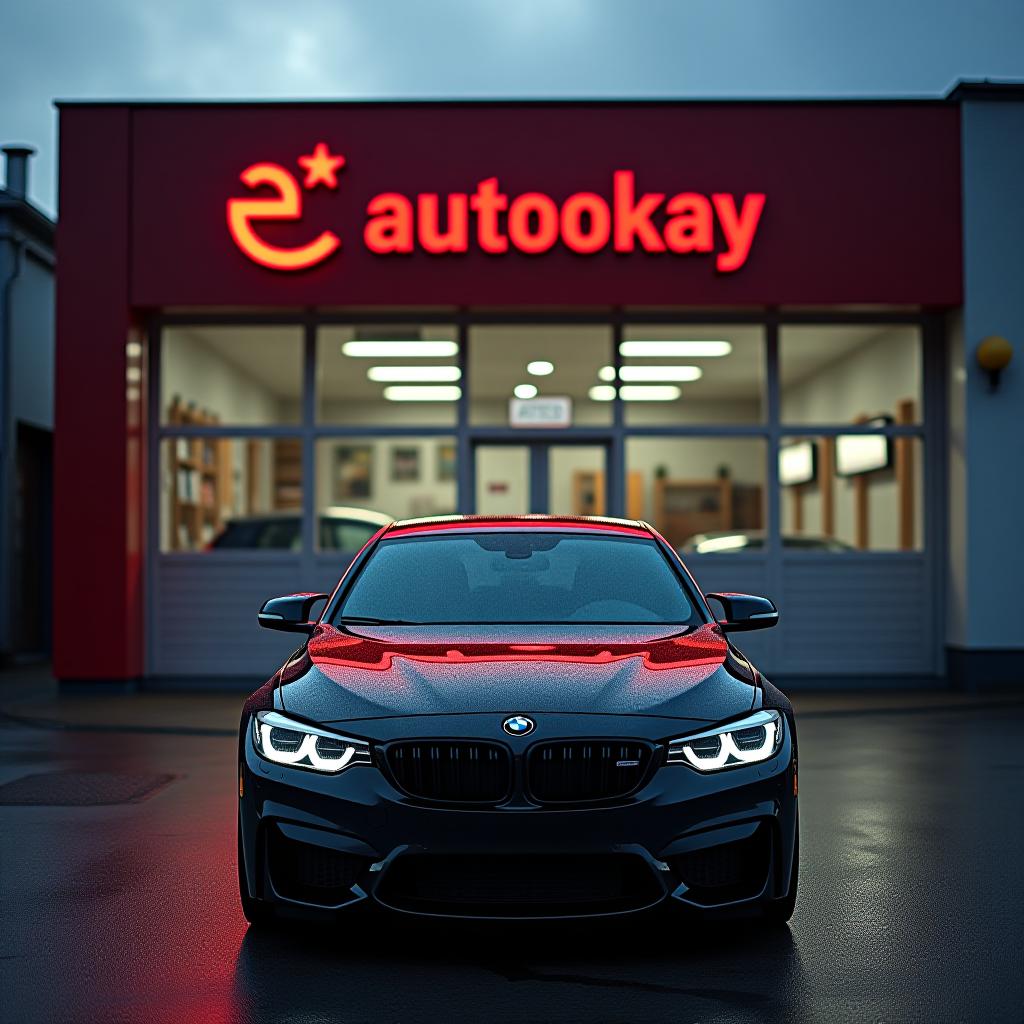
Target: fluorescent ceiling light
(414,393)
(540,368)
(606,373)
(400,349)
(653,373)
(658,349)
(525,391)
(636,393)
(649,392)
(437,374)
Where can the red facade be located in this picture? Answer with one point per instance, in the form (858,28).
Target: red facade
(861,205)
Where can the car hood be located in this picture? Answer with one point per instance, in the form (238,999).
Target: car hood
(347,675)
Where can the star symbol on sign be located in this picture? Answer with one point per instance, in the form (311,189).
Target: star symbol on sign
(321,167)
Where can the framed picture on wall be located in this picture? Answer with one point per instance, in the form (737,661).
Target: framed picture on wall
(353,472)
(446,462)
(405,464)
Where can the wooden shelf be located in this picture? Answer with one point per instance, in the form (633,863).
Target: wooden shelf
(288,474)
(201,481)
(683,508)
(588,490)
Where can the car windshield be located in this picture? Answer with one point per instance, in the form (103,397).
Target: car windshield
(518,577)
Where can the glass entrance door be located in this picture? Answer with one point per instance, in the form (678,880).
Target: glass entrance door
(541,477)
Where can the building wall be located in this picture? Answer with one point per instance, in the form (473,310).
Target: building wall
(32,315)
(993,446)
(956,426)
(813,252)
(26,397)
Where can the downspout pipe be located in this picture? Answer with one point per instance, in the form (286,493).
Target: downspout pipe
(7,466)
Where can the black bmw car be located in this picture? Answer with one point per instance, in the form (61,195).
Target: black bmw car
(532,717)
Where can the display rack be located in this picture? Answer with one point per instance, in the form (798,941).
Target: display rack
(683,508)
(200,484)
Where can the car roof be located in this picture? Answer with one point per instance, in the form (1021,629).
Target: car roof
(436,524)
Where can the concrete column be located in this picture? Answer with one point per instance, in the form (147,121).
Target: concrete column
(986,603)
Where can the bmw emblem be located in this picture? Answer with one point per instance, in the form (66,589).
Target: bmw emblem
(519,725)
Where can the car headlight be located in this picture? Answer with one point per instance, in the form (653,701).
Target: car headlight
(754,738)
(285,741)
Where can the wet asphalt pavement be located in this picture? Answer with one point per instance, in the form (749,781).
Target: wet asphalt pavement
(911,903)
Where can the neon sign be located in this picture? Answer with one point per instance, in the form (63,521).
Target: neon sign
(321,168)
(496,223)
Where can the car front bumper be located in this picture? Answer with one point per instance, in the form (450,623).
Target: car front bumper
(719,844)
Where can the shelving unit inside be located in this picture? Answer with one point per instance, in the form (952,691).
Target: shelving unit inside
(201,481)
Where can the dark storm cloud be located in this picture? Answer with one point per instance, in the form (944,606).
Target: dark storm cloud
(116,49)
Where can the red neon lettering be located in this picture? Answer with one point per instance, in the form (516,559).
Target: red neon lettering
(546,212)
(286,205)
(632,218)
(456,238)
(692,227)
(390,226)
(738,229)
(585,222)
(596,210)
(487,202)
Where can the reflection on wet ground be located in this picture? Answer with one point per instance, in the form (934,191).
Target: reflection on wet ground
(912,904)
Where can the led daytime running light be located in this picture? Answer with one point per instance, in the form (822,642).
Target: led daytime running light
(305,754)
(730,754)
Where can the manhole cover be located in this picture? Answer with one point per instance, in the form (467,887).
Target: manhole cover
(80,789)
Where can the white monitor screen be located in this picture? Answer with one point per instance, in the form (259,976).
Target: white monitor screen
(796,463)
(861,453)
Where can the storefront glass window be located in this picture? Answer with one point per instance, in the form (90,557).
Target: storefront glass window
(230,376)
(850,373)
(538,361)
(387,375)
(364,482)
(220,494)
(852,492)
(679,374)
(701,494)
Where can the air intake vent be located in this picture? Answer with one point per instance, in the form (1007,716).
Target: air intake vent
(579,771)
(727,872)
(451,771)
(528,885)
(312,874)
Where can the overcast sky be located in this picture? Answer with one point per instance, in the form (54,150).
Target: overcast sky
(322,49)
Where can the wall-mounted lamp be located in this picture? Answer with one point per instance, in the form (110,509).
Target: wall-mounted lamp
(994,354)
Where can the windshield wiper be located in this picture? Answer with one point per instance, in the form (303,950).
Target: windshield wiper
(369,620)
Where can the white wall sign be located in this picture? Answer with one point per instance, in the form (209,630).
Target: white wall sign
(549,411)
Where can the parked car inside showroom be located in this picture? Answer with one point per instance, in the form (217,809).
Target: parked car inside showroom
(734,541)
(339,528)
(517,717)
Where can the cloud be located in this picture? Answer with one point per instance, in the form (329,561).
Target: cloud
(336,49)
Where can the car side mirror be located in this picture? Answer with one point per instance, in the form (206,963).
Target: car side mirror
(290,614)
(744,612)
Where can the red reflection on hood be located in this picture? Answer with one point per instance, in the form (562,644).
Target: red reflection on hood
(704,648)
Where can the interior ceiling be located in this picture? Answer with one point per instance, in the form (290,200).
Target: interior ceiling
(498,354)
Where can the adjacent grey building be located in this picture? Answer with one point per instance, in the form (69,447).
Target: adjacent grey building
(26,414)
